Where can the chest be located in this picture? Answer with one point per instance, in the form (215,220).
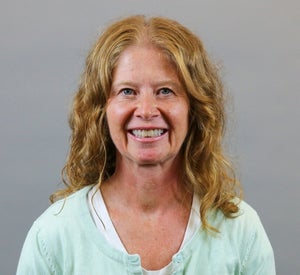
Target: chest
(155,239)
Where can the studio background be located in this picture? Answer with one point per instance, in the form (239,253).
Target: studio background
(42,52)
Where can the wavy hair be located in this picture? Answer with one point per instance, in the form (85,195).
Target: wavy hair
(92,153)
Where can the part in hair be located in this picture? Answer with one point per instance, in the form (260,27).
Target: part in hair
(92,155)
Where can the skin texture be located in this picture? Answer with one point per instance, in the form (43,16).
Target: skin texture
(144,181)
(147,94)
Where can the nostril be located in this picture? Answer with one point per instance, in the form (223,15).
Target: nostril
(147,110)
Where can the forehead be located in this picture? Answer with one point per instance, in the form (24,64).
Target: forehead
(144,60)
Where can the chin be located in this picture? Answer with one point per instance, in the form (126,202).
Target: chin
(148,161)
(152,160)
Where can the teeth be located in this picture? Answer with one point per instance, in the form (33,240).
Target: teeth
(147,133)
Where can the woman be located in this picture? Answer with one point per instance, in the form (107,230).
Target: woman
(148,189)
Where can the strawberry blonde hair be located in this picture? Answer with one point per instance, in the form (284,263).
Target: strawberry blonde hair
(92,155)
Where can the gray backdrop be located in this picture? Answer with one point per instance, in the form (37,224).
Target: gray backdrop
(42,51)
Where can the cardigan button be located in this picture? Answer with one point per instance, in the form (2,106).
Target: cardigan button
(178,258)
(134,259)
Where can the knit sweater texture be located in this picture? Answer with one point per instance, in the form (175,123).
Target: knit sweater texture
(65,240)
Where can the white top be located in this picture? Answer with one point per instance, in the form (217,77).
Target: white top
(65,240)
(104,223)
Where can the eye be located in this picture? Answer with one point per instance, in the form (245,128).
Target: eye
(127,91)
(165,91)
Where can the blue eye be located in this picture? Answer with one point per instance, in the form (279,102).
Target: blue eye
(127,91)
(165,91)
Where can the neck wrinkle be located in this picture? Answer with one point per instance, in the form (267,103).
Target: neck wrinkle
(148,188)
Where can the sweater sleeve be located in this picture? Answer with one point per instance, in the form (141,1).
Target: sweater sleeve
(35,259)
(259,258)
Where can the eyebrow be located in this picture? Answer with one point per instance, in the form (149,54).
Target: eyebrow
(175,84)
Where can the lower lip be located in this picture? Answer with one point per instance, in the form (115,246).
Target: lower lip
(148,139)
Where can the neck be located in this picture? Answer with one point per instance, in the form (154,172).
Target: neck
(147,187)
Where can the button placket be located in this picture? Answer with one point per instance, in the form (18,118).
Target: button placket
(178,264)
(134,265)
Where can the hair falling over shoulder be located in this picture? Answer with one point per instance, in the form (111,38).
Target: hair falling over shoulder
(92,158)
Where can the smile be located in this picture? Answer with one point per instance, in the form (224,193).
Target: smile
(148,133)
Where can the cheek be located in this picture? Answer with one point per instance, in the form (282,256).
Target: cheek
(180,114)
(116,118)
(113,114)
(114,127)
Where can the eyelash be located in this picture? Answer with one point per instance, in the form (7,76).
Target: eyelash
(123,91)
(162,91)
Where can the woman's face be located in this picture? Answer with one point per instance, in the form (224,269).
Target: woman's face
(147,112)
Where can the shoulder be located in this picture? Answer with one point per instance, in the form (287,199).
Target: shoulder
(64,207)
(61,222)
(243,227)
(247,221)
(246,235)
(62,216)
(246,218)
(50,235)
(244,230)
(246,215)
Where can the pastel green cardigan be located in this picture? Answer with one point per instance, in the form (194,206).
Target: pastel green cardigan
(65,240)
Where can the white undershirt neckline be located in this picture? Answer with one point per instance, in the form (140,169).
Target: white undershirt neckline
(104,223)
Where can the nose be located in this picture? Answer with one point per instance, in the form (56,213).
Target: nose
(147,106)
